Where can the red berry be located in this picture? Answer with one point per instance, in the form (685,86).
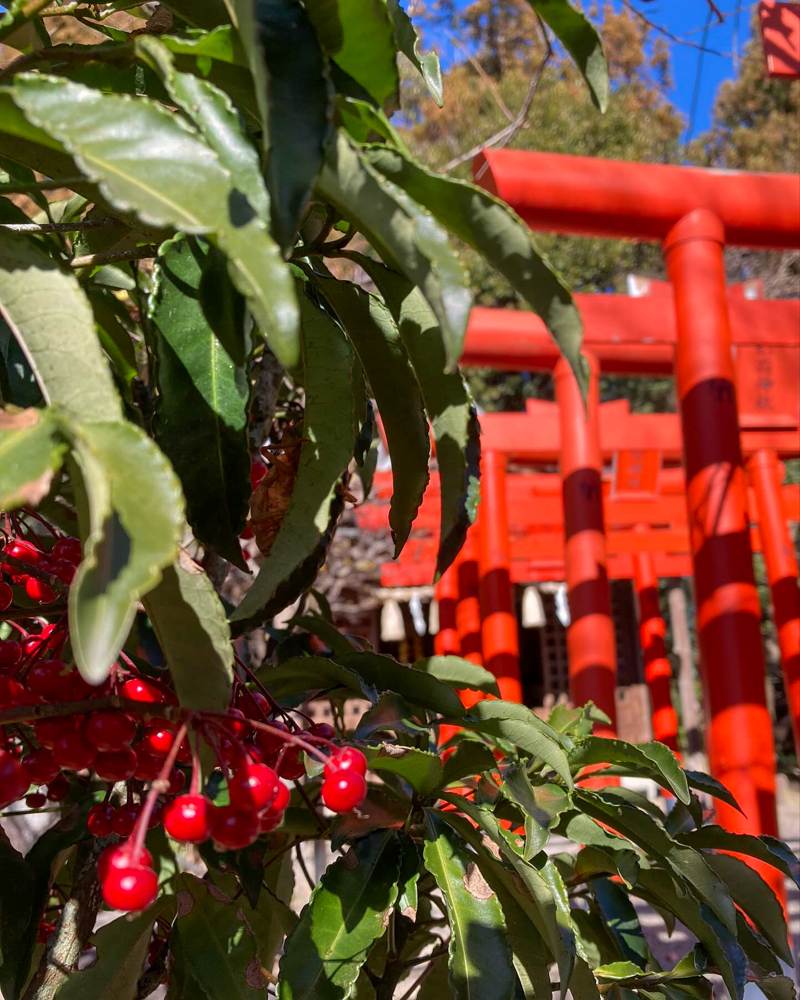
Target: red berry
(41,766)
(232,829)
(281,800)
(343,791)
(229,751)
(148,767)
(63,571)
(45,930)
(261,704)
(49,731)
(25,551)
(247,533)
(177,780)
(73,752)
(35,800)
(253,787)
(130,889)
(323,730)
(348,759)
(270,740)
(257,473)
(158,739)
(12,693)
(10,655)
(51,680)
(121,856)
(292,766)
(156,816)
(269,821)
(68,549)
(136,689)
(6,596)
(125,819)
(39,591)
(100,821)
(233,723)
(14,779)
(58,789)
(189,818)
(115,765)
(110,730)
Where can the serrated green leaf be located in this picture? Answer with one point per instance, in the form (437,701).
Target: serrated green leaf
(389,713)
(146,159)
(360,119)
(416,687)
(469,758)
(407,238)
(621,921)
(650,756)
(122,948)
(592,860)
(372,331)
(777,987)
(766,849)
(359,37)
(326,450)
(189,622)
(313,673)
(580,38)
(52,322)
(479,954)
(753,895)
(540,805)
(448,402)
(32,446)
(460,673)
(201,409)
(407,41)
(135,517)
(491,228)
(329,634)
(520,726)
(345,915)
(419,768)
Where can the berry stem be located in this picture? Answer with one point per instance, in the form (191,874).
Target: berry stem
(286,737)
(161,784)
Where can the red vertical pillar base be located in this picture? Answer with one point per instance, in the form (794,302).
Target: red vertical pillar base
(739,727)
(591,644)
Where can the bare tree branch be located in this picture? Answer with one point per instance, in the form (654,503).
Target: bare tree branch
(488,81)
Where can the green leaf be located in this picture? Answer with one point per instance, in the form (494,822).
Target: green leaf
(469,758)
(135,517)
(753,895)
(448,402)
(580,38)
(313,673)
(460,673)
(419,768)
(520,726)
(479,954)
(405,236)
(147,159)
(592,860)
(777,987)
(189,622)
(621,921)
(32,446)
(407,41)
(408,881)
(338,644)
(705,783)
(416,687)
(651,756)
(201,409)
(52,322)
(346,914)
(217,939)
(122,948)
(359,37)
(652,838)
(18,384)
(372,331)
(390,712)
(326,450)
(16,898)
(767,849)
(298,107)
(540,805)
(491,228)
(199,13)
(360,119)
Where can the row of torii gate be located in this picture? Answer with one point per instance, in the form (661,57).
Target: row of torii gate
(686,490)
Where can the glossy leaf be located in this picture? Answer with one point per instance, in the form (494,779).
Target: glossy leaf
(620,919)
(52,322)
(189,621)
(361,119)
(32,446)
(407,41)
(346,914)
(416,687)
(160,168)
(469,758)
(656,756)
(448,402)
(580,38)
(201,409)
(308,673)
(135,517)
(358,35)
(390,713)
(489,226)
(408,878)
(372,331)
(479,955)
(459,673)
(122,948)
(326,450)
(766,849)
(405,236)
(419,768)
(540,805)
(592,860)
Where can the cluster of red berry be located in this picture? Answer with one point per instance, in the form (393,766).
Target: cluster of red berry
(256,743)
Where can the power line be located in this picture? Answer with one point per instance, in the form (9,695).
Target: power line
(697,80)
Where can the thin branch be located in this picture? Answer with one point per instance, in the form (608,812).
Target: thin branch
(61,227)
(488,81)
(31,713)
(303,869)
(94,259)
(417,982)
(426,958)
(668,34)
